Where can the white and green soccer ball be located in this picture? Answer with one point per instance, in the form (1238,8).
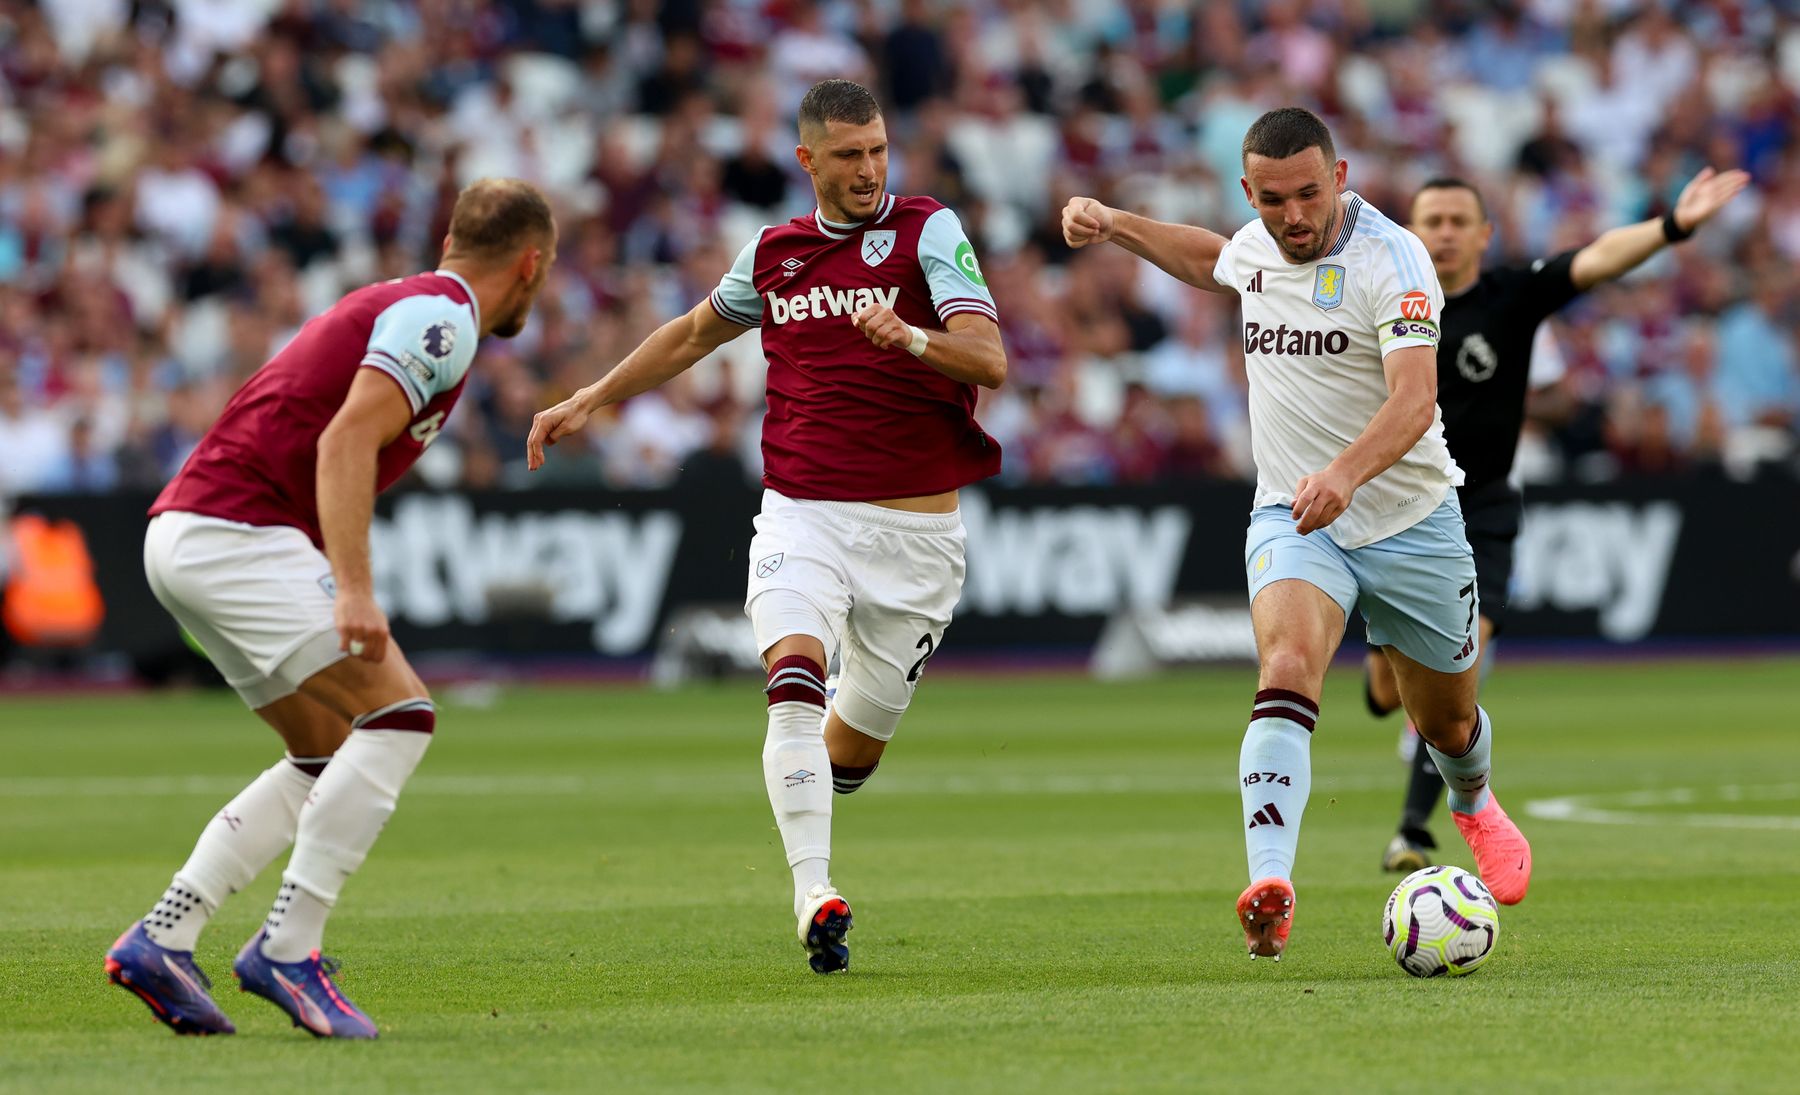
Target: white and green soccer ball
(1441,920)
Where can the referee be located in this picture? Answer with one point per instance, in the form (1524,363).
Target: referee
(1484,369)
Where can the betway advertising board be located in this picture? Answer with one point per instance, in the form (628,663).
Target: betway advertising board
(599,573)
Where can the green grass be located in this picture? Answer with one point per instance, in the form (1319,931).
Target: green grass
(583,890)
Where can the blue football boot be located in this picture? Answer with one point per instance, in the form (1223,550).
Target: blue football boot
(166,980)
(303,989)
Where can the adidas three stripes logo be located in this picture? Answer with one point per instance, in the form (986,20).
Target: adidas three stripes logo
(1268,815)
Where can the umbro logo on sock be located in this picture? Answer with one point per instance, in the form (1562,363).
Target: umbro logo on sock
(796,778)
(1268,815)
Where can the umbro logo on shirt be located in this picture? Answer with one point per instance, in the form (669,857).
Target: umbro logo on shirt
(1255,285)
(790,267)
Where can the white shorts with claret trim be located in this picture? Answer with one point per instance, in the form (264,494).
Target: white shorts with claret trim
(874,585)
(258,599)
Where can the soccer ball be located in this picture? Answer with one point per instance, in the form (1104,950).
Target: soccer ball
(1441,920)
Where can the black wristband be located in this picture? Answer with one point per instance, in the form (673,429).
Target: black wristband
(1672,232)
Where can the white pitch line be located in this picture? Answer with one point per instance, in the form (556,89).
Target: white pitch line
(1618,808)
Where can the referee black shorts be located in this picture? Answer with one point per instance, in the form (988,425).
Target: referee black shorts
(1491,514)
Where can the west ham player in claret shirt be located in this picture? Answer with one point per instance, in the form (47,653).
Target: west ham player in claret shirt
(260,548)
(877,326)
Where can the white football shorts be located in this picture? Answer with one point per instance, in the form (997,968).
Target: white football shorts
(258,599)
(875,585)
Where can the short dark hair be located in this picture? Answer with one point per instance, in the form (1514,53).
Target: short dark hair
(493,217)
(1451,182)
(1288,131)
(837,101)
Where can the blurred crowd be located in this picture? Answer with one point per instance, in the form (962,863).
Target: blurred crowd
(183,182)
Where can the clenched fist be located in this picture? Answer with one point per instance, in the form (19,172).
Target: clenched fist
(1321,498)
(880,325)
(1086,221)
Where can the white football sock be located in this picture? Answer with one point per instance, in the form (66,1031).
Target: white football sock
(235,846)
(794,760)
(1466,776)
(796,771)
(340,821)
(1274,780)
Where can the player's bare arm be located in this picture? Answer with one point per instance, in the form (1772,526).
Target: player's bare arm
(373,414)
(968,349)
(1621,250)
(1321,498)
(1181,250)
(671,350)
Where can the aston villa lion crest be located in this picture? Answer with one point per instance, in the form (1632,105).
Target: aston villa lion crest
(1328,287)
(877,246)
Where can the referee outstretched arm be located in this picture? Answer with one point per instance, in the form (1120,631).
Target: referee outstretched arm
(1619,251)
(1486,371)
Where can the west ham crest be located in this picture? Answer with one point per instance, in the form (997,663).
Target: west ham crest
(877,246)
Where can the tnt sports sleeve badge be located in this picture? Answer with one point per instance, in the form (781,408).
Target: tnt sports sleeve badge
(1401,298)
(1413,326)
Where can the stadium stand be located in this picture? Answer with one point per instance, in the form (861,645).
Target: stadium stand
(183,181)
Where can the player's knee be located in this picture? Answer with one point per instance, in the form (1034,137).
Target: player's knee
(1292,670)
(1448,729)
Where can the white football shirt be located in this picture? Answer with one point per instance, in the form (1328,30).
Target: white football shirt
(1314,337)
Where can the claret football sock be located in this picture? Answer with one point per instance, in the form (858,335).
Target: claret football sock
(235,846)
(1274,779)
(346,811)
(1466,775)
(796,769)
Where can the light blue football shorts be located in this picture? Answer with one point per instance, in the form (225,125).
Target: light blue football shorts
(1416,588)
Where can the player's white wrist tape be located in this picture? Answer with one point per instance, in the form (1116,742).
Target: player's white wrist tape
(917,346)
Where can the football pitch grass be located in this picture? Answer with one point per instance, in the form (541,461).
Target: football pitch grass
(583,890)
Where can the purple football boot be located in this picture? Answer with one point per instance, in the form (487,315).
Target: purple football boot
(303,989)
(166,980)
